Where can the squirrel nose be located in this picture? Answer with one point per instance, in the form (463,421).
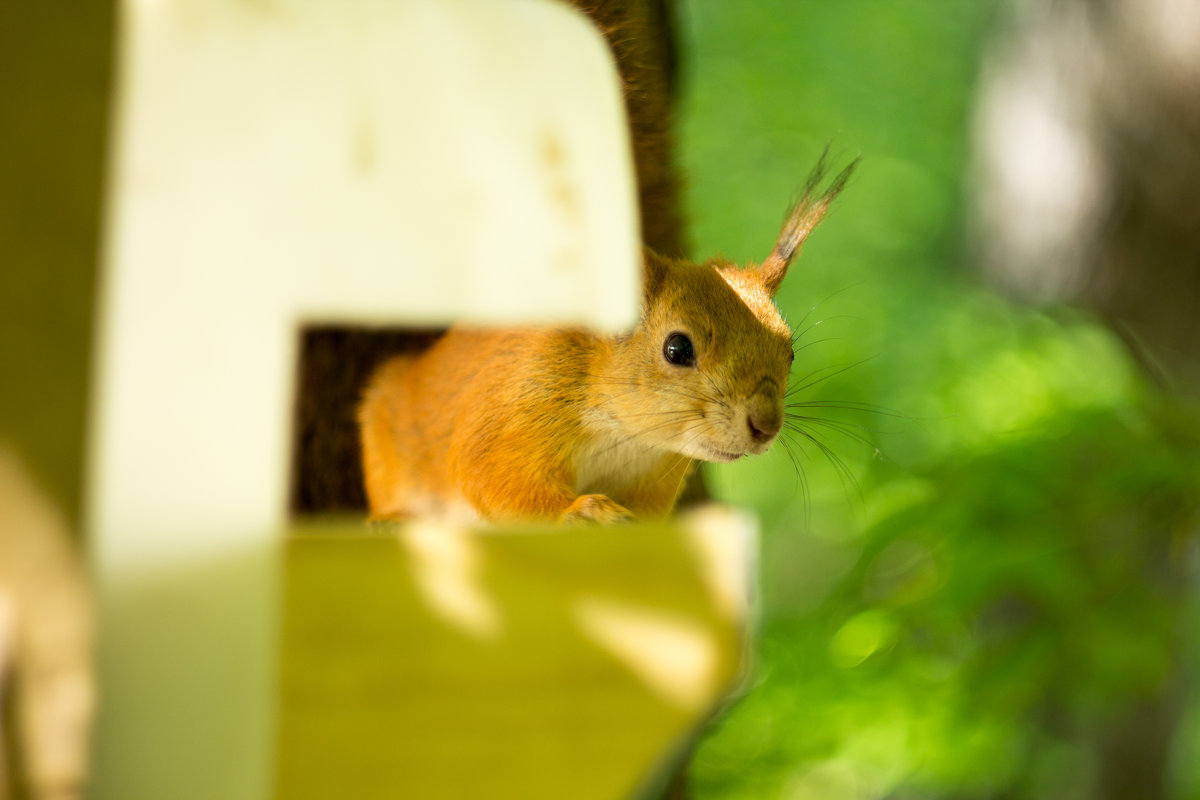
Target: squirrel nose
(763,424)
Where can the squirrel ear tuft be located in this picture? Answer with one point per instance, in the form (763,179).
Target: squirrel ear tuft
(654,273)
(802,218)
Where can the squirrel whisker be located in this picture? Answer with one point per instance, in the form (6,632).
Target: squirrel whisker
(801,478)
(840,467)
(843,428)
(833,371)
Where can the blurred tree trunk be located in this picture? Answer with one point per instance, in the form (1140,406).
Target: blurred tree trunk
(642,36)
(1087,147)
(1088,156)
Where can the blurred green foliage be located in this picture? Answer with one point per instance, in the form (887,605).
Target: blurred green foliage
(994,594)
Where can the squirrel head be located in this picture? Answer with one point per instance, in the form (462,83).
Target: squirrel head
(711,355)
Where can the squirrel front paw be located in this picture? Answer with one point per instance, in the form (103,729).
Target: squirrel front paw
(596,508)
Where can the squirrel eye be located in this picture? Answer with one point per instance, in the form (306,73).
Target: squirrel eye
(678,350)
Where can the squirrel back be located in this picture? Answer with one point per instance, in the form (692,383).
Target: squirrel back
(561,423)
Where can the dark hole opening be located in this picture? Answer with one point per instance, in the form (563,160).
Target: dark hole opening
(335,363)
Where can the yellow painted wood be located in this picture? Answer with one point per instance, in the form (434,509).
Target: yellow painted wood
(389,690)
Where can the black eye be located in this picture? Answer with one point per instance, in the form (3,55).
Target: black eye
(678,350)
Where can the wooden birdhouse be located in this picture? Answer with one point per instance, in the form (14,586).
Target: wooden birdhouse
(273,166)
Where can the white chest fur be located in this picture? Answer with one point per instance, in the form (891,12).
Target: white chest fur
(611,464)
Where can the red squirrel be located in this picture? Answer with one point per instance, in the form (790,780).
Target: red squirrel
(524,424)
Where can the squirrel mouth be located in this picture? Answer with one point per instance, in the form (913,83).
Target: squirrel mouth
(722,455)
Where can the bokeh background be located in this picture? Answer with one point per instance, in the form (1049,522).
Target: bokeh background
(987,588)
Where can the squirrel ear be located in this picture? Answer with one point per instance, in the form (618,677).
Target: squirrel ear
(654,273)
(803,216)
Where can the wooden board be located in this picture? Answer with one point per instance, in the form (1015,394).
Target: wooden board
(523,664)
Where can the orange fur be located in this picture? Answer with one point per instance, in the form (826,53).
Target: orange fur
(564,424)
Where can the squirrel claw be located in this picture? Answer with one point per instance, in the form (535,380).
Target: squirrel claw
(596,508)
